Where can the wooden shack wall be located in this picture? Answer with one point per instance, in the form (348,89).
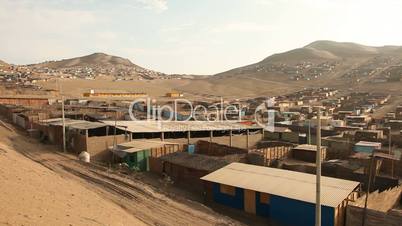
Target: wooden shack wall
(265,156)
(97,147)
(24,101)
(307,156)
(185,176)
(214,149)
(373,217)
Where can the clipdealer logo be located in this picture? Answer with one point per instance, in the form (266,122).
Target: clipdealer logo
(211,113)
(266,108)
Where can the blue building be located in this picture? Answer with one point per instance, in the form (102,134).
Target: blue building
(285,197)
(367,147)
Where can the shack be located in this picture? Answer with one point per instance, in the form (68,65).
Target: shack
(136,153)
(366,146)
(308,153)
(285,197)
(186,169)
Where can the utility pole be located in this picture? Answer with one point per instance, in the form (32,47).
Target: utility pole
(372,162)
(222,114)
(114,133)
(64,123)
(390,150)
(309,131)
(318,171)
(63,117)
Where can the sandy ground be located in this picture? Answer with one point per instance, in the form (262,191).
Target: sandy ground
(40,186)
(213,89)
(193,89)
(35,195)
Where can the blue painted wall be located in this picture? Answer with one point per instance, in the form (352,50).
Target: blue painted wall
(236,201)
(261,209)
(284,211)
(365,149)
(191,148)
(180,117)
(293,212)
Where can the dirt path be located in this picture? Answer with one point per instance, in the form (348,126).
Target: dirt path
(128,194)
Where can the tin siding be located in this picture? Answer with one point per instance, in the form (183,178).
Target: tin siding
(293,212)
(236,201)
(261,208)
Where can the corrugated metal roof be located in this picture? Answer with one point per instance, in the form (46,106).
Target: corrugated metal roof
(200,162)
(75,124)
(140,145)
(308,147)
(368,144)
(177,126)
(145,144)
(136,146)
(284,183)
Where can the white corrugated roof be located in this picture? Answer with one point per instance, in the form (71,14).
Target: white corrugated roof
(308,147)
(368,143)
(72,123)
(138,145)
(177,126)
(284,183)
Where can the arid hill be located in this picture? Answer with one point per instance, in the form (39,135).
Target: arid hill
(2,63)
(341,65)
(89,60)
(97,64)
(325,59)
(323,51)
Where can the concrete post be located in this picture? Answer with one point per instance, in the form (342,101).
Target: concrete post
(247,138)
(211,135)
(86,140)
(64,124)
(230,138)
(162,136)
(318,171)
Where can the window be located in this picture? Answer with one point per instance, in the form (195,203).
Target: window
(228,190)
(264,198)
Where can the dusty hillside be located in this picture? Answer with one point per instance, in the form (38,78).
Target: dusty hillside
(32,194)
(89,60)
(94,65)
(344,49)
(321,63)
(2,63)
(323,51)
(302,54)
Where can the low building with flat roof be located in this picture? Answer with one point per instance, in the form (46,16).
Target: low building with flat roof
(366,146)
(308,153)
(285,197)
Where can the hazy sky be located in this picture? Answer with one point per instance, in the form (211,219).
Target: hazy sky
(188,36)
